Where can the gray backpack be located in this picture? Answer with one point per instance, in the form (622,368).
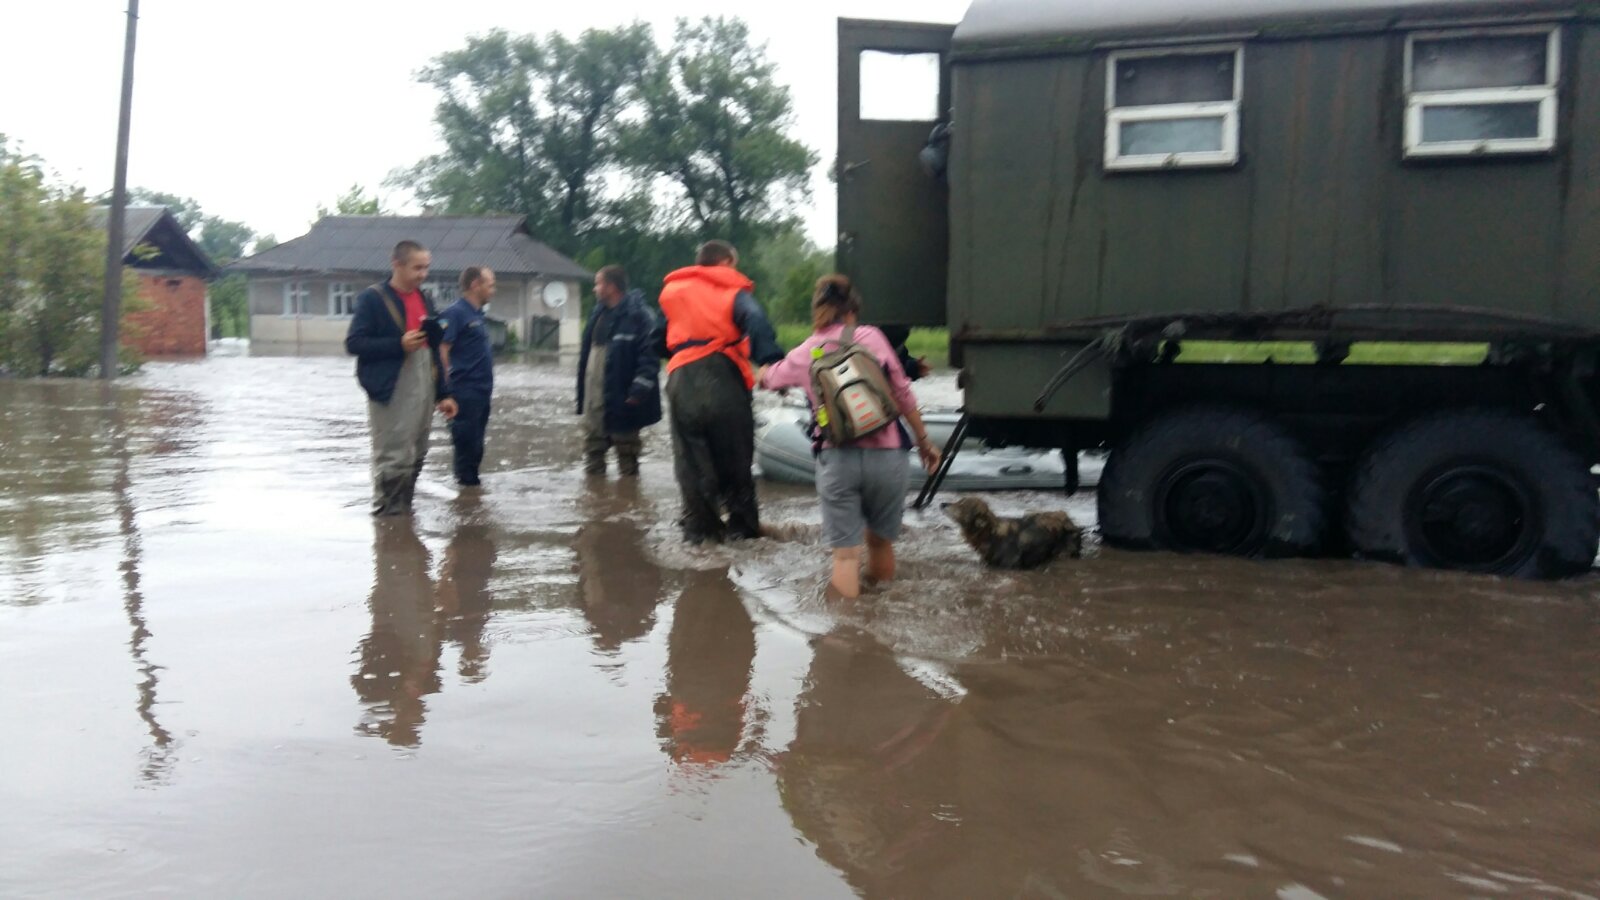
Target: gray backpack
(853,394)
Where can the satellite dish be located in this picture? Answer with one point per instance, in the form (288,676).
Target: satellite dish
(555,294)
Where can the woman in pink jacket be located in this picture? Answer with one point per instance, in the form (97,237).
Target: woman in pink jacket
(862,485)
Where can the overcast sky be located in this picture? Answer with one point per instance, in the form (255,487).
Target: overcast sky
(263,111)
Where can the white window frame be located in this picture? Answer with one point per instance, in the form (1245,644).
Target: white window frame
(294,291)
(336,290)
(1228,111)
(1419,102)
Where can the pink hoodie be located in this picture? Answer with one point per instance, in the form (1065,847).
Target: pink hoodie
(794,370)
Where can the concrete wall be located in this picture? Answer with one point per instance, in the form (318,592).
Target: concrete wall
(174,324)
(517,302)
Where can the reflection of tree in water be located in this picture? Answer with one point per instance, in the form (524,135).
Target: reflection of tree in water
(618,583)
(411,620)
(400,655)
(710,649)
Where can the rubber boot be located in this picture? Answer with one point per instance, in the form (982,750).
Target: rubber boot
(408,490)
(391,499)
(594,463)
(627,464)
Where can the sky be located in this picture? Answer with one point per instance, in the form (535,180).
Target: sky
(263,111)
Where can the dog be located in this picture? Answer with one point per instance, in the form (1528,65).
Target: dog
(1027,542)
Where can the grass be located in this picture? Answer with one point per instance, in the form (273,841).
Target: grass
(932,343)
(1363,353)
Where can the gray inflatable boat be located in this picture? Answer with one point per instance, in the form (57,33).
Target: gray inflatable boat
(783,454)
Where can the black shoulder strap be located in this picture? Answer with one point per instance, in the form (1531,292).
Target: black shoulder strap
(391,304)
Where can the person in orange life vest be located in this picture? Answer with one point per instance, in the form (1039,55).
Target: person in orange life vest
(715,329)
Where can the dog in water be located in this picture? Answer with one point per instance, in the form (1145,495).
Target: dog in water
(1026,542)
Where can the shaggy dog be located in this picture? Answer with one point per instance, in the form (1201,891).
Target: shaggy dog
(1015,543)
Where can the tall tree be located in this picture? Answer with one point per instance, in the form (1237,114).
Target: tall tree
(530,126)
(52,266)
(714,125)
(354,202)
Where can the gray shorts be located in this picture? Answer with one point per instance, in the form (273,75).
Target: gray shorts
(861,489)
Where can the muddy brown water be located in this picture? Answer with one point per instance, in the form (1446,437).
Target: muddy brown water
(218,677)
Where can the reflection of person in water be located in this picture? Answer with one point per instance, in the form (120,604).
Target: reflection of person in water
(464,601)
(870,777)
(710,650)
(400,656)
(618,583)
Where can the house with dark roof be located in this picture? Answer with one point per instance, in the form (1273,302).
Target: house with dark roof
(173,275)
(303,291)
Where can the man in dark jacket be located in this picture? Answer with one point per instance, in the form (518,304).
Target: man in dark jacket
(469,368)
(715,331)
(397,364)
(619,371)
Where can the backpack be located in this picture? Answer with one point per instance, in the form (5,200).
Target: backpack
(853,395)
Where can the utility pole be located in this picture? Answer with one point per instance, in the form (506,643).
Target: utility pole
(111,308)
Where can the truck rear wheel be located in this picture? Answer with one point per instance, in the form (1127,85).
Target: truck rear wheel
(1212,480)
(1476,491)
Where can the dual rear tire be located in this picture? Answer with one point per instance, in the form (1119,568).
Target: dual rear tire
(1478,491)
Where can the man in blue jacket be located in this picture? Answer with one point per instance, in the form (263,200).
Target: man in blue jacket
(397,364)
(469,367)
(619,372)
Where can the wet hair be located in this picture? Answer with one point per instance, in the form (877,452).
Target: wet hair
(404,249)
(715,253)
(614,275)
(470,276)
(834,298)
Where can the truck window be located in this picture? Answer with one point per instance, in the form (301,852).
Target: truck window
(1479,92)
(899,87)
(1173,107)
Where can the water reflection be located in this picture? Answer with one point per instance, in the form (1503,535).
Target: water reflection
(161,754)
(400,655)
(465,602)
(866,779)
(701,717)
(619,584)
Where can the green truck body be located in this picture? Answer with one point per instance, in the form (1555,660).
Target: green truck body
(1120,182)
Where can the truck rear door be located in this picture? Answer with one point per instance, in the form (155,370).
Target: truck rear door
(894,222)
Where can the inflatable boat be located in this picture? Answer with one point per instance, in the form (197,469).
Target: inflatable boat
(783,454)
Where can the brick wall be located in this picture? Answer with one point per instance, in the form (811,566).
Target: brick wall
(174,324)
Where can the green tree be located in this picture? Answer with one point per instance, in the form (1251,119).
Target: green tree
(264,243)
(354,202)
(22,197)
(785,266)
(52,268)
(713,124)
(530,126)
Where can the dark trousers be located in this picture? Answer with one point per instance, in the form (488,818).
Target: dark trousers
(467,431)
(713,446)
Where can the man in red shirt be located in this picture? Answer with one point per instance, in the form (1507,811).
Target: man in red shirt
(398,366)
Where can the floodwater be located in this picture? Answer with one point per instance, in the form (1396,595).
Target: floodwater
(219,677)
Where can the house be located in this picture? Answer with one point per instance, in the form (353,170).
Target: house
(173,273)
(303,291)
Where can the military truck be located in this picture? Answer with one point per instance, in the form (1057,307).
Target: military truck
(1323,276)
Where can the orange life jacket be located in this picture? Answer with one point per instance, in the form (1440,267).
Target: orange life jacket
(698,304)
